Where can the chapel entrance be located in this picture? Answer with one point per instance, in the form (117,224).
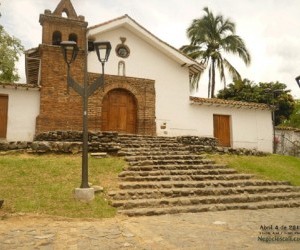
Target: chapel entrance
(119,112)
(3,115)
(222,130)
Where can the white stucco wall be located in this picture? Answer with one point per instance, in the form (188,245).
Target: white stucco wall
(250,128)
(23,108)
(146,61)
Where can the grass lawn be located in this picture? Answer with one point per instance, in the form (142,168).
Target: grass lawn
(44,184)
(272,167)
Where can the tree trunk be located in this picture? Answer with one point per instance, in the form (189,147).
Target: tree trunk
(213,80)
(209,81)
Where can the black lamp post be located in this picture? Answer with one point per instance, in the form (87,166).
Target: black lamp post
(298,80)
(70,51)
(274,108)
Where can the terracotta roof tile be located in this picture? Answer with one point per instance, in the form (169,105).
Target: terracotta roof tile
(229,103)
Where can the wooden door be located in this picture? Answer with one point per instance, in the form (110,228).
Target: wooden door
(222,130)
(119,112)
(3,115)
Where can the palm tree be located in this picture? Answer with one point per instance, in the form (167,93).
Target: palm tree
(211,37)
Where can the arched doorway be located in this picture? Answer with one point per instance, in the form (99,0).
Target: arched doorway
(119,112)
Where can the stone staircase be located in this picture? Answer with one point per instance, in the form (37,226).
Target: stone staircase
(164,177)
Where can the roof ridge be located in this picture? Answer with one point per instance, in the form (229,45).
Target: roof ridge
(150,33)
(107,22)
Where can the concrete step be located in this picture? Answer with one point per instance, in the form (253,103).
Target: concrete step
(175,167)
(190,201)
(210,207)
(199,184)
(188,192)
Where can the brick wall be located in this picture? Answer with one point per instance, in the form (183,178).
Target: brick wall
(60,110)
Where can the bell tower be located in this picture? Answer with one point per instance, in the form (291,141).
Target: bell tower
(63,25)
(60,109)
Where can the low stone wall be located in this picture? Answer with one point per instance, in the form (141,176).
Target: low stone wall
(66,142)
(210,145)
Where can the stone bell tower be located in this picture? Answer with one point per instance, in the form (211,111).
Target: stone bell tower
(60,110)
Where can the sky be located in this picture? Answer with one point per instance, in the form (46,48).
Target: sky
(270,29)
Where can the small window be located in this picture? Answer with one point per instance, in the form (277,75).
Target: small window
(56,38)
(121,68)
(73,37)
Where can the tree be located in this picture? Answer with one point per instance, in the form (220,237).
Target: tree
(273,94)
(294,120)
(10,50)
(211,37)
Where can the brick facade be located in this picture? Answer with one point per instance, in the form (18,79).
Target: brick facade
(62,110)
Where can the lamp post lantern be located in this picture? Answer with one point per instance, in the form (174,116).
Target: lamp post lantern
(298,80)
(70,51)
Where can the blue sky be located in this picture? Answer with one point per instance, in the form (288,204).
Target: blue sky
(270,28)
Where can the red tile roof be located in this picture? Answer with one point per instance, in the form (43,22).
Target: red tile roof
(229,103)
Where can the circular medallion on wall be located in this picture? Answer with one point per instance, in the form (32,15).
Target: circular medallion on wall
(122,50)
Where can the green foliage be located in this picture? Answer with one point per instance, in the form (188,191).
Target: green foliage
(294,120)
(44,184)
(210,38)
(10,50)
(272,167)
(274,94)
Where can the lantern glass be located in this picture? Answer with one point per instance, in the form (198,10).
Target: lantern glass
(103,50)
(70,51)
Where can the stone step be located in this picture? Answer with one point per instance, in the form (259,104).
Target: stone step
(171,167)
(162,145)
(199,184)
(211,207)
(145,137)
(171,162)
(188,172)
(227,177)
(163,157)
(189,201)
(188,192)
(150,144)
(145,152)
